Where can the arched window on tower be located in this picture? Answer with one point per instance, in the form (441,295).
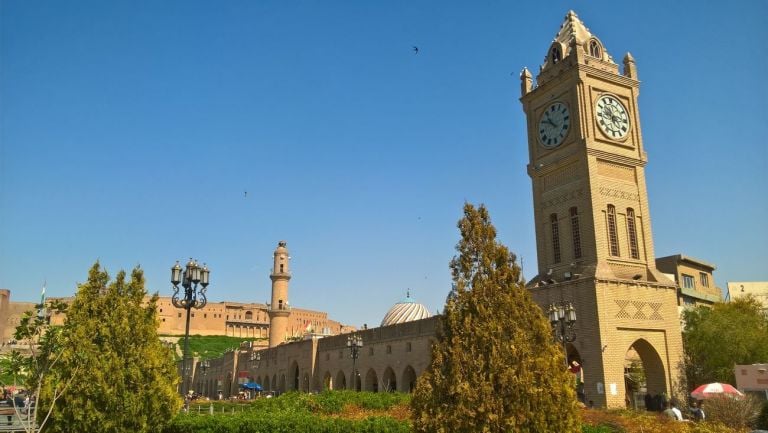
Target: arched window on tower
(281,268)
(632,229)
(555,237)
(575,233)
(594,49)
(613,237)
(555,54)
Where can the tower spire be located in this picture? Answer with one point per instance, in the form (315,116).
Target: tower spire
(279,309)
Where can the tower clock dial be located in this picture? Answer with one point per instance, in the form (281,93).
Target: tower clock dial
(612,117)
(553,125)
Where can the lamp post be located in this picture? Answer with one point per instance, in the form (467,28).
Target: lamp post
(354,343)
(562,317)
(204,367)
(194,276)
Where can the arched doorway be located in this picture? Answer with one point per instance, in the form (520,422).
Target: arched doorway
(266,384)
(282,388)
(576,367)
(371,381)
(645,380)
(388,380)
(408,384)
(357,384)
(341,380)
(327,381)
(294,376)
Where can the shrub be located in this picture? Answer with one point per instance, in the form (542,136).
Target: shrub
(736,413)
(762,420)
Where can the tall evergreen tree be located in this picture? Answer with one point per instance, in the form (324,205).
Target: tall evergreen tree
(495,366)
(121,378)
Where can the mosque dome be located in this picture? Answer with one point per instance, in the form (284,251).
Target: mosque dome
(406,310)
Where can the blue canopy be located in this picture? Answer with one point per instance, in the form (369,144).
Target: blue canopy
(252,385)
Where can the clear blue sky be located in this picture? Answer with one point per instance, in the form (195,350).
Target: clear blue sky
(130,130)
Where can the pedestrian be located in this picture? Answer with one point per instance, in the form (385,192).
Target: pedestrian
(697,412)
(670,412)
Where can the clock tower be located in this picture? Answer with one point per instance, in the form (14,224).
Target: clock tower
(593,226)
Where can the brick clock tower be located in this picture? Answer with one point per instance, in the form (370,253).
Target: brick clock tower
(593,225)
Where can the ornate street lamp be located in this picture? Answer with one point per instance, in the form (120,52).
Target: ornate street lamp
(255,359)
(562,316)
(354,343)
(204,367)
(194,275)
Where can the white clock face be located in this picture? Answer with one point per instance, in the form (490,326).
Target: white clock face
(553,125)
(612,117)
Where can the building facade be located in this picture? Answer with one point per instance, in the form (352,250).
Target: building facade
(593,225)
(756,289)
(694,278)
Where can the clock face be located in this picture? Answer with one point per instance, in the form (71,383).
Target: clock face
(612,117)
(553,125)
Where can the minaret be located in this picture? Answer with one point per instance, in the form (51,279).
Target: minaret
(279,309)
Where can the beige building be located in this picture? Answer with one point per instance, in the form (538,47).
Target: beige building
(694,278)
(758,289)
(592,217)
(752,379)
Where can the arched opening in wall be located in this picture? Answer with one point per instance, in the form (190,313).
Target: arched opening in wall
(357,382)
(645,380)
(371,381)
(248,315)
(388,380)
(576,368)
(281,385)
(341,380)
(408,384)
(305,383)
(327,381)
(265,385)
(294,371)
(258,380)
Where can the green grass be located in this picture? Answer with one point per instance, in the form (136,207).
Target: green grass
(210,346)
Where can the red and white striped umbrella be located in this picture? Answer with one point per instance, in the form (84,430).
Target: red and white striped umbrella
(713,389)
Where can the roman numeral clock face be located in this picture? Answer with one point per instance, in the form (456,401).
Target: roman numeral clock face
(612,117)
(553,125)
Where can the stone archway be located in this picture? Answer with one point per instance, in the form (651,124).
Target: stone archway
(294,376)
(576,367)
(266,384)
(341,380)
(644,376)
(327,381)
(282,387)
(389,380)
(371,381)
(408,384)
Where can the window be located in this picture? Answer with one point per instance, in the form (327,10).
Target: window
(594,49)
(161,310)
(370,351)
(179,316)
(688,281)
(389,349)
(281,267)
(633,251)
(555,237)
(163,319)
(327,356)
(205,315)
(407,347)
(704,279)
(613,238)
(555,54)
(575,233)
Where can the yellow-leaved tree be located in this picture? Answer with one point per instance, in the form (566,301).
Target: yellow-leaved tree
(495,366)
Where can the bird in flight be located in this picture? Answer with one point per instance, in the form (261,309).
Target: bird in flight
(246,194)
(415,49)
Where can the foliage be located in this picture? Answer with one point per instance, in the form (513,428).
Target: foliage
(628,421)
(336,411)
(733,412)
(494,366)
(122,379)
(211,346)
(722,336)
(34,368)
(762,420)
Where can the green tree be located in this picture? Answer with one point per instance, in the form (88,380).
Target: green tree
(121,378)
(718,337)
(495,366)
